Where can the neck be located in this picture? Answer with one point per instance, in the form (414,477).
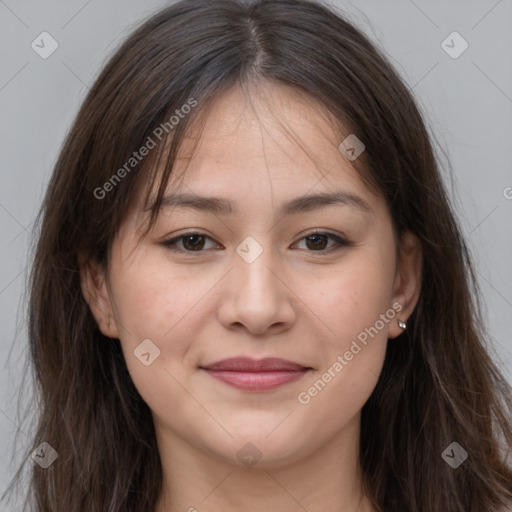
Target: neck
(328,479)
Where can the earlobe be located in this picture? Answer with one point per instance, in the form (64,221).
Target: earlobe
(407,285)
(95,293)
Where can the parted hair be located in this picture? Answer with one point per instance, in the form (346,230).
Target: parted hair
(439,383)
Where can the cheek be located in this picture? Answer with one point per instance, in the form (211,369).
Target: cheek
(170,307)
(355,307)
(352,299)
(151,306)
(153,301)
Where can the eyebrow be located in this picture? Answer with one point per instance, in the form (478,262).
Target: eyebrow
(306,203)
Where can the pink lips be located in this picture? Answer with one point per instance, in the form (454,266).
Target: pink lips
(256,374)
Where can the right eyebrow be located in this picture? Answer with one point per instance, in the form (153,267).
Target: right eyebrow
(224,206)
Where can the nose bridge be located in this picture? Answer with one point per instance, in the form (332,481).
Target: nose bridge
(257,299)
(255,261)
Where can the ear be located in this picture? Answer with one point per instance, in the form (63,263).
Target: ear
(94,290)
(407,285)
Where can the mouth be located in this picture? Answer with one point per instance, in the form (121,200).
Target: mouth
(256,374)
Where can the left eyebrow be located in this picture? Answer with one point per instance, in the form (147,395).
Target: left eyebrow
(223,206)
(315,201)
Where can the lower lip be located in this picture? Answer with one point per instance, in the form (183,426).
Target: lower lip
(257,381)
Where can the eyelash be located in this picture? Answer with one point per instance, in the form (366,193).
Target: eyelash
(340,242)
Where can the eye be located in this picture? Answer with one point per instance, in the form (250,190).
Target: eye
(192,242)
(318,240)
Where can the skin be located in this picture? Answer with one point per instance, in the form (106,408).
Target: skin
(291,302)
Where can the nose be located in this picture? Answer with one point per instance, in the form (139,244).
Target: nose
(257,297)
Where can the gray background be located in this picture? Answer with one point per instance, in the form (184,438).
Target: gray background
(467,102)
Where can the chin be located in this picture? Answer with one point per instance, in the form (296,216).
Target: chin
(265,449)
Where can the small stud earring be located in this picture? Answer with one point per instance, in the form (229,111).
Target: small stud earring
(402,325)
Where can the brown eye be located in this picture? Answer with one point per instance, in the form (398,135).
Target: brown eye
(318,242)
(192,242)
(196,242)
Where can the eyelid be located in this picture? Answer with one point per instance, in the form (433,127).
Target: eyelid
(340,239)
(171,243)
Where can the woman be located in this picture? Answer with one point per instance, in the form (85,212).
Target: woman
(250,291)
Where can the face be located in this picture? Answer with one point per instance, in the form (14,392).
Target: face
(312,282)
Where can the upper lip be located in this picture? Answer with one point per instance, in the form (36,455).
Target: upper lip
(246,364)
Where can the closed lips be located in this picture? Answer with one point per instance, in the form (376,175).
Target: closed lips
(256,375)
(244,364)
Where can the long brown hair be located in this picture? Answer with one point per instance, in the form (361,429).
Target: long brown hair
(438,385)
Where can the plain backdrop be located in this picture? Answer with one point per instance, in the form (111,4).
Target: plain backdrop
(467,102)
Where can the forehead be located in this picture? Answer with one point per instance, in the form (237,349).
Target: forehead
(270,134)
(257,159)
